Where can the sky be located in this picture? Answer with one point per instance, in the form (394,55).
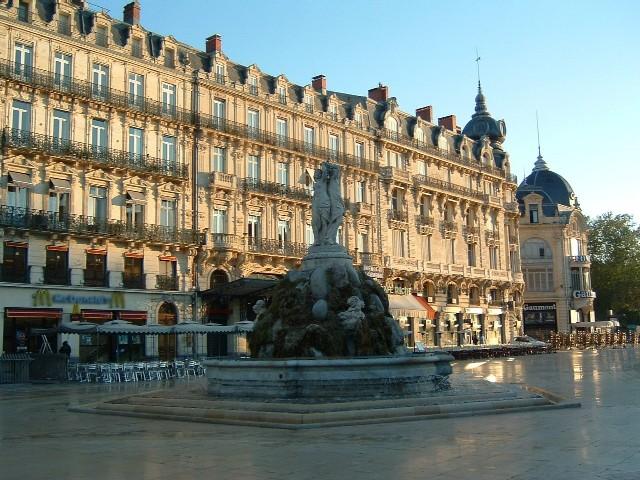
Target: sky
(575,62)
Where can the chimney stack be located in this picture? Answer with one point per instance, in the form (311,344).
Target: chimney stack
(131,14)
(425,113)
(214,44)
(448,122)
(380,93)
(319,83)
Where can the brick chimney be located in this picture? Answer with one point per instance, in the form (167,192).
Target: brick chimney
(319,83)
(131,13)
(214,44)
(425,113)
(380,93)
(448,122)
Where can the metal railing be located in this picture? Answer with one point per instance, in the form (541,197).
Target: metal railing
(22,139)
(277,189)
(133,280)
(92,278)
(447,186)
(423,220)
(277,247)
(41,220)
(15,276)
(398,215)
(449,226)
(166,282)
(55,276)
(226,241)
(92,91)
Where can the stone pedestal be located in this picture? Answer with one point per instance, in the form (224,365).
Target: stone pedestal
(323,255)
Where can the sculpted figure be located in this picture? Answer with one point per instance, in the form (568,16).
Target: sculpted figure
(327,204)
(259,308)
(337,205)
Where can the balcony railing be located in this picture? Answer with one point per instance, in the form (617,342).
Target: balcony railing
(469,230)
(133,280)
(41,220)
(14,275)
(277,247)
(395,173)
(166,282)
(22,139)
(276,189)
(511,207)
(263,136)
(449,226)
(222,179)
(91,91)
(367,258)
(226,241)
(56,276)
(423,220)
(580,258)
(398,215)
(447,186)
(93,278)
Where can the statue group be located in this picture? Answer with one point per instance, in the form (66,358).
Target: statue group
(327,205)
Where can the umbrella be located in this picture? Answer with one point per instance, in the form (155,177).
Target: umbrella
(77,327)
(121,326)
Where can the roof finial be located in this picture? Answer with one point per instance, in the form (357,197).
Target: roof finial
(478,67)
(540,163)
(481,103)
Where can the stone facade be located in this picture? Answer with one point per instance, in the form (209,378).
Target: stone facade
(121,141)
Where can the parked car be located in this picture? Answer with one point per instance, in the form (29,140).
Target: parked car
(527,341)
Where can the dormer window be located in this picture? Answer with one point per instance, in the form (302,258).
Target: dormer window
(64,24)
(136,47)
(253,84)
(419,135)
(282,95)
(23,12)
(170,58)
(391,127)
(101,36)
(357,118)
(333,112)
(308,103)
(533,213)
(219,73)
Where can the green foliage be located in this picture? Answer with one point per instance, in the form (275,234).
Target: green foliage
(614,246)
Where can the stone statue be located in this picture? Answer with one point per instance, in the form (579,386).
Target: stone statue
(327,205)
(259,308)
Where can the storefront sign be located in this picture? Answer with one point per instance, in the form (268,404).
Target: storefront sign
(373,271)
(43,297)
(540,315)
(398,290)
(539,307)
(584,294)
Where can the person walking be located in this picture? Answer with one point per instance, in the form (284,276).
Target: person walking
(66,349)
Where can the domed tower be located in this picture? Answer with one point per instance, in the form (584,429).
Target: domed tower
(553,251)
(483,124)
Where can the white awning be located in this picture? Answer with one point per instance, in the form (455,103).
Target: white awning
(407,306)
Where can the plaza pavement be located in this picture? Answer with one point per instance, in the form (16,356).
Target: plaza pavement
(40,439)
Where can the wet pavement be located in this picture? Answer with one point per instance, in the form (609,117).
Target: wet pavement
(40,439)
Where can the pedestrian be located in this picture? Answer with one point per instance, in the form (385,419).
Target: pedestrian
(66,349)
(481,338)
(474,338)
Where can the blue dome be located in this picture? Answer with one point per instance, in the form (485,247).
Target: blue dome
(553,188)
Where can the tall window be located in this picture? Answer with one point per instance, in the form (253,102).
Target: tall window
(398,243)
(169,58)
(357,118)
(282,173)
(168,151)
(533,213)
(23,59)
(575,279)
(61,126)
(99,135)
(422,167)
(253,121)
(219,159)
(168,213)
(253,84)
(361,191)
(101,36)
(253,227)
(135,214)
(62,70)
(425,241)
(17,195)
(219,109)
(14,264)
(334,145)
(281,130)
(284,232)
(538,279)
(359,150)
(362,242)
(282,95)
(308,103)
(136,145)
(451,251)
(95,273)
(97,203)
(132,276)
(220,77)
(100,80)
(56,270)
(136,89)
(333,112)
(471,254)
(136,47)
(494,258)
(219,221)
(253,167)
(309,238)
(168,98)
(309,138)
(23,11)
(425,204)
(21,116)
(58,203)
(64,24)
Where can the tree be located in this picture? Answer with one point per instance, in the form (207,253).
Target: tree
(614,245)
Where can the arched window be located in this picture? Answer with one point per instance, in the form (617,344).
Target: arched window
(452,293)
(391,124)
(535,249)
(218,277)
(167,314)
(429,291)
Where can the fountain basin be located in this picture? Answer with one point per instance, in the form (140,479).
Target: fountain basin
(322,379)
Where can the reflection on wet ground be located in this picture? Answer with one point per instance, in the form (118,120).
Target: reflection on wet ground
(40,439)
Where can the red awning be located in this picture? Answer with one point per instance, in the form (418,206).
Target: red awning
(431,313)
(16,244)
(96,251)
(131,315)
(168,258)
(134,255)
(55,313)
(57,248)
(97,315)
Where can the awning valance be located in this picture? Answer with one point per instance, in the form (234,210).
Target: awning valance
(55,313)
(20,179)
(60,184)
(129,315)
(91,315)
(409,306)
(136,197)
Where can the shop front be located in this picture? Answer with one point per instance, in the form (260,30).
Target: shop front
(30,330)
(450,329)
(416,318)
(540,320)
(474,333)
(494,327)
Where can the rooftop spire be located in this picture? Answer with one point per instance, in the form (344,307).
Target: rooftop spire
(481,102)
(540,163)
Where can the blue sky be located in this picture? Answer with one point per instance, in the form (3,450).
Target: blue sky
(575,61)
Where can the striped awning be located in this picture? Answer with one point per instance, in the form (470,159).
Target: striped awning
(130,315)
(91,315)
(408,306)
(55,313)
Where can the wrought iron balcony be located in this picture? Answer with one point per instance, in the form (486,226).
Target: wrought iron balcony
(15,275)
(446,186)
(395,173)
(424,220)
(511,207)
(276,189)
(57,276)
(449,226)
(92,91)
(21,139)
(41,220)
(263,136)
(133,280)
(277,247)
(95,278)
(226,241)
(582,259)
(221,179)
(398,215)
(166,282)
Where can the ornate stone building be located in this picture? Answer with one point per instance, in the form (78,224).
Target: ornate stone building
(138,167)
(555,260)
